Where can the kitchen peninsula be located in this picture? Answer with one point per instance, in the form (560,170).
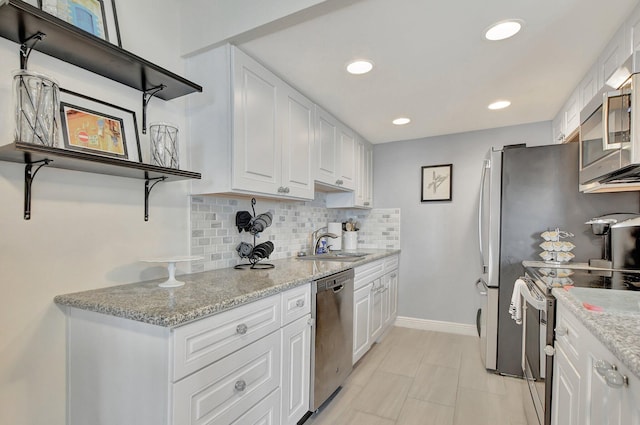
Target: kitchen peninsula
(146,347)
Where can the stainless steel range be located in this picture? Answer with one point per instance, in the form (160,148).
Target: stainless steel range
(538,326)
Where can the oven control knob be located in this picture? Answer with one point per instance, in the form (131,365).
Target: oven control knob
(549,350)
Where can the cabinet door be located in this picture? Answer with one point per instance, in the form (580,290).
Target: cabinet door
(393,296)
(364,173)
(297,144)
(326,139)
(296,370)
(604,403)
(347,158)
(267,412)
(257,160)
(377,309)
(361,317)
(566,390)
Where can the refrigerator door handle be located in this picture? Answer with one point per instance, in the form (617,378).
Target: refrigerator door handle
(485,165)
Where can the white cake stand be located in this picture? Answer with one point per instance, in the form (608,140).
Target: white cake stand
(171,266)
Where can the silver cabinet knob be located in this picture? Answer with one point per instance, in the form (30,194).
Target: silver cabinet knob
(281,189)
(615,379)
(562,331)
(310,322)
(286,190)
(339,182)
(300,303)
(602,367)
(366,204)
(241,385)
(393,275)
(241,329)
(549,350)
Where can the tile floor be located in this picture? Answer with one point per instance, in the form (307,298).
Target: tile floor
(415,377)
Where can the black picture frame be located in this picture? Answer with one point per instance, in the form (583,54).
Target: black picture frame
(103,22)
(123,120)
(436,183)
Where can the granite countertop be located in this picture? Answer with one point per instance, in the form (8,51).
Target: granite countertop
(617,325)
(206,293)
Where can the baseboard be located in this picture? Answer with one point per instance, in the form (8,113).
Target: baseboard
(437,326)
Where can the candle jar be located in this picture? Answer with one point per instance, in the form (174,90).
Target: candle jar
(37,100)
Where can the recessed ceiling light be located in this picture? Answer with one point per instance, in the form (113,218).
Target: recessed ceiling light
(360,67)
(401,121)
(500,104)
(503,29)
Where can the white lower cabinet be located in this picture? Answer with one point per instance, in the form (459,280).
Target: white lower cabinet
(585,374)
(248,365)
(296,369)
(225,390)
(375,302)
(566,390)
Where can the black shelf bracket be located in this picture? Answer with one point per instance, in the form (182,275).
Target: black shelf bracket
(27,47)
(146,97)
(29,175)
(147,190)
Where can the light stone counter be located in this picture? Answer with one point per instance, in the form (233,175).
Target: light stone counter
(208,292)
(617,327)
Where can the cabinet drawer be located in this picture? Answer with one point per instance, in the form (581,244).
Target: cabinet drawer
(201,343)
(567,332)
(267,412)
(296,303)
(225,390)
(368,272)
(391,263)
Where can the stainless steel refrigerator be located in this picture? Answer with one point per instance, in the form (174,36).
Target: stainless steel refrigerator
(525,191)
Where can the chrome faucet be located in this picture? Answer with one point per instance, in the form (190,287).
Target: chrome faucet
(316,238)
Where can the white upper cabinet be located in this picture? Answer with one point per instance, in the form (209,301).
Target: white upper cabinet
(362,196)
(335,163)
(252,132)
(625,41)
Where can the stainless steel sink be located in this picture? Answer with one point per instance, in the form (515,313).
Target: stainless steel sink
(335,256)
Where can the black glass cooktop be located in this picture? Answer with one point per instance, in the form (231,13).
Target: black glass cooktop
(603,279)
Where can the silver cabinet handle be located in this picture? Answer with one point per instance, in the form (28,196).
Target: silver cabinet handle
(300,303)
(240,385)
(562,331)
(241,329)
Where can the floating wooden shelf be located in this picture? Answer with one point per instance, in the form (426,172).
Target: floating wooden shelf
(20,20)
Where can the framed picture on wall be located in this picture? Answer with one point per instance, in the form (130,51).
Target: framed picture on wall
(436,183)
(97,17)
(99,128)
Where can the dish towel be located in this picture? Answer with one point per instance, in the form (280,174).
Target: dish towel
(515,308)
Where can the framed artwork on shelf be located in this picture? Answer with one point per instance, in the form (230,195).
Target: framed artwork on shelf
(98,128)
(436,183)
(97,17)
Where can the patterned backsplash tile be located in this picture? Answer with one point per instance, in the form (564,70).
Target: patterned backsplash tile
(215,236)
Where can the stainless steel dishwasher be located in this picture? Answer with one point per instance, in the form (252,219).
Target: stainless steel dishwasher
(333,336)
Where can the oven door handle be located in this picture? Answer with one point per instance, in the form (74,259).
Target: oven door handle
(533,300)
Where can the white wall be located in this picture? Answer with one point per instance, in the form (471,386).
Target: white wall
(440,260)
(87,230)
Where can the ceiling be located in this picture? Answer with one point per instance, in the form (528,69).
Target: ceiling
(432,63)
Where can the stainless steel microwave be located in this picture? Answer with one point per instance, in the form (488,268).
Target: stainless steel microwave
(610,138)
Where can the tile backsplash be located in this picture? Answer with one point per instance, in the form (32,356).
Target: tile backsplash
(215,236)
